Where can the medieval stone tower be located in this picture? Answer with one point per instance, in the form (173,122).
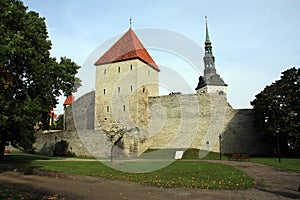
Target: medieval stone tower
(211,82)
(126,76)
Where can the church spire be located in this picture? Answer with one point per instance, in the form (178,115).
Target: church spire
(208,47)
(210,82)
(209,59)
(207,40)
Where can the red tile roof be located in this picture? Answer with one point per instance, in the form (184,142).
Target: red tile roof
(126,48)
(69,100)
(52,114)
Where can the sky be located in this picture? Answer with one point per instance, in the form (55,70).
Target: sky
(253,41)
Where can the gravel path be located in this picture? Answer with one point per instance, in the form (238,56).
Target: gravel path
(271,184)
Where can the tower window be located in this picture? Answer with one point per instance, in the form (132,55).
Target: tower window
(104,71)
(103,91)
(107,109)
(143,90)
(119,69)
(124,108)
(148,72)
(119,89)
(131,88)
(130,67)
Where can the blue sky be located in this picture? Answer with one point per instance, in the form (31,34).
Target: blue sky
(253,41)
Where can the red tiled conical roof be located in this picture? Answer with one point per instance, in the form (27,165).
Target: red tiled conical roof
(69,100)
(126,48)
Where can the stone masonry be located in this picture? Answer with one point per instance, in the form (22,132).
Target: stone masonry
(175,122)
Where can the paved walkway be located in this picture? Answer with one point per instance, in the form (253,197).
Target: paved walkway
(271,184)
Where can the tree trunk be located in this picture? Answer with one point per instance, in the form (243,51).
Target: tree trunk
(285,147)
(2,147)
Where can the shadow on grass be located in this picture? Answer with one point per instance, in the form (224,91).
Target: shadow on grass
(21,163)
(13,190)
(189,154)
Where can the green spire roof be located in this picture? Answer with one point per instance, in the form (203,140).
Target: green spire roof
(207,40)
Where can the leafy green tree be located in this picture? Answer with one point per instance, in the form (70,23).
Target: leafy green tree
(59,124)
(277,111)
(30,79)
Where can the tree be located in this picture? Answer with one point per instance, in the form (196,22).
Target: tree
(30,79)
(277,111)
(59,125)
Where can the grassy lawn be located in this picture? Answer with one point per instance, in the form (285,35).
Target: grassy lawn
(179,174)
(189,154)
(290,164)
(183,173)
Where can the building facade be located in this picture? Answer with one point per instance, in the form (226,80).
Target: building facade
(126,75)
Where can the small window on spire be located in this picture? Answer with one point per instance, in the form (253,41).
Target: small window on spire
(104,71)
(119,89)
(107,109)
(124,108)
(131,88)
(131,67)
(119,69)
(104,91)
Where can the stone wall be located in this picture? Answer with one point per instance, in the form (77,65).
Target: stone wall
(175,121)
(45,142)
(81,143)
(187,121)
(196,121)
(80,115)
(241,136)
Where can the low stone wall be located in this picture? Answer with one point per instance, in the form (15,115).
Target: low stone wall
(45,142)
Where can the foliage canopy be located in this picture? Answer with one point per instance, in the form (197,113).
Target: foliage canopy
(30,79)
(277,111)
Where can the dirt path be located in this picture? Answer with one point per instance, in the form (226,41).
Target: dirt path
(271,184)
(269,179)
